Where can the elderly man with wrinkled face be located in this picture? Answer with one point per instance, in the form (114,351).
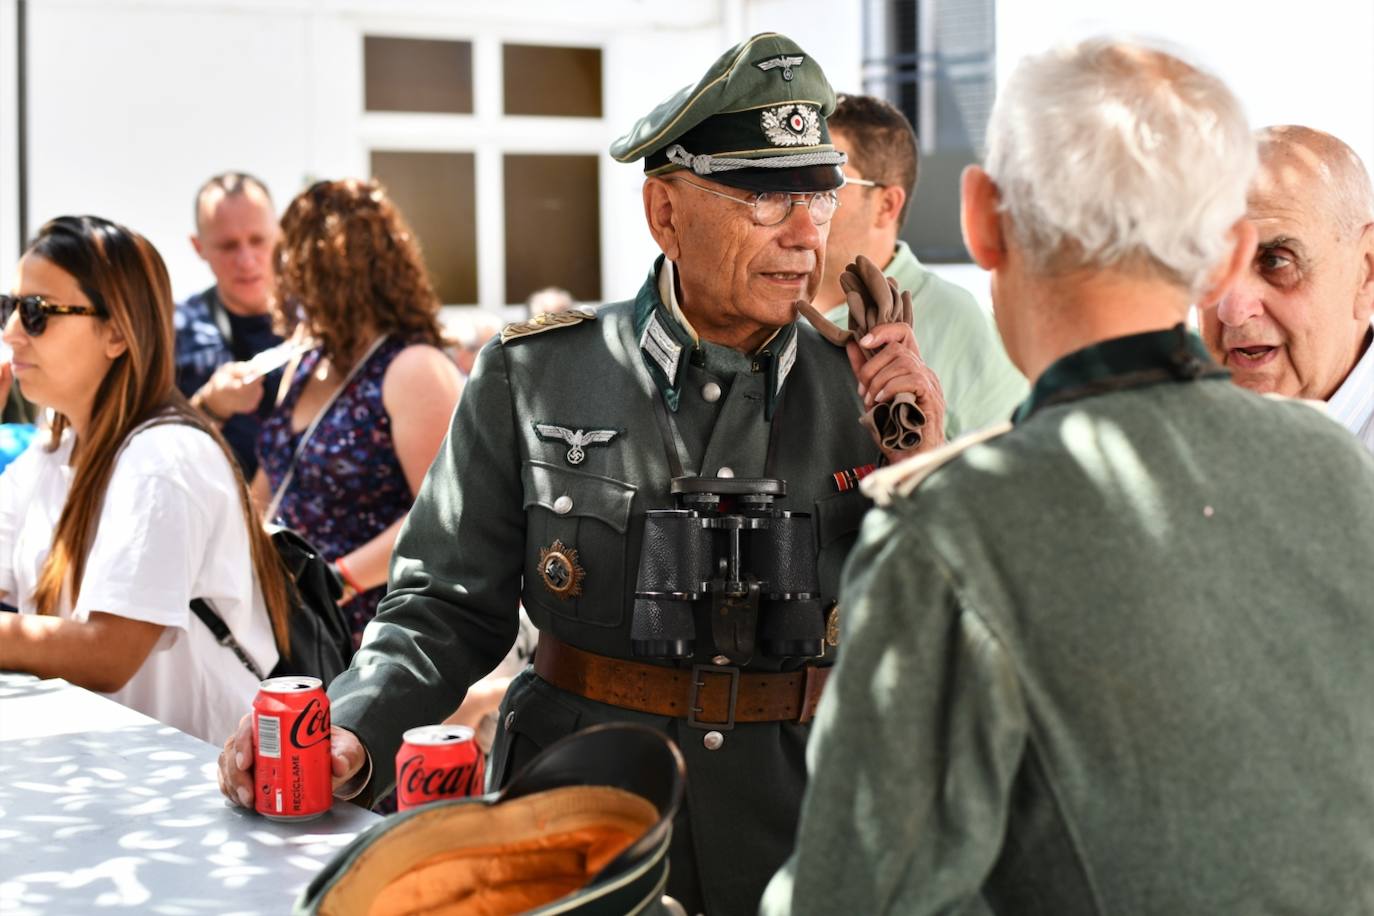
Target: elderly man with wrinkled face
(579,429)
(1298,321)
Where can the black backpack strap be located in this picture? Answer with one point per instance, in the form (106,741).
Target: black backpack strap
(222,635)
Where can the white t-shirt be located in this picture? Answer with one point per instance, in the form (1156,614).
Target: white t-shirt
(171,529)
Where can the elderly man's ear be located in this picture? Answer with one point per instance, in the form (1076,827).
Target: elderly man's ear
(980,219)
(1244,237)
(660,213)
(1364,296)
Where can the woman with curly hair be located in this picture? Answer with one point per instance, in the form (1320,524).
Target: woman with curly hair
(134,505)
(366,409)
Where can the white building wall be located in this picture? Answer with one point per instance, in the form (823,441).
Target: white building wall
(133,105)
(9,148)
(1310,63)
(831,31)
(134,102)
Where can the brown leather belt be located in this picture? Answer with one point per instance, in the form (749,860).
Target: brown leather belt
(707,696)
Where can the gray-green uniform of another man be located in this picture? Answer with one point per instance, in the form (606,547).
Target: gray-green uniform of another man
(1119,659)
(568,432)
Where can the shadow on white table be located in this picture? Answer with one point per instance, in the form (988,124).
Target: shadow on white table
(103,809)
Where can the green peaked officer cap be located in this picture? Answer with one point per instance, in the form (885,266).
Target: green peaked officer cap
(756,120)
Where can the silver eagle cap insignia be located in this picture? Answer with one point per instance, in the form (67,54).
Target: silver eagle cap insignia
(577,440)
(791,125)
(785,62)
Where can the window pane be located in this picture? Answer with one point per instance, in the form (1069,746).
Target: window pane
(553,226)
(436,193)
(934,60)
(417,74)
(542,80)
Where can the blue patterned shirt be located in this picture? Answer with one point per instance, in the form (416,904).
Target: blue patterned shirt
(202,346)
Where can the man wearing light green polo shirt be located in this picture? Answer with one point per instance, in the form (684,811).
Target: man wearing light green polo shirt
(957,340)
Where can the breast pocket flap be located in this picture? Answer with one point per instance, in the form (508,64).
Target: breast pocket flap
(574,494)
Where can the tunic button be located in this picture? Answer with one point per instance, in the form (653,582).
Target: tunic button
(711,392)
(713,741)
(563,504)
(725,472)
(510,719)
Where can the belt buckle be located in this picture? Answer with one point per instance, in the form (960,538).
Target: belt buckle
(697,684)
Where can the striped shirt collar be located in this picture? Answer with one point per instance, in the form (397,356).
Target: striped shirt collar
(1353,403)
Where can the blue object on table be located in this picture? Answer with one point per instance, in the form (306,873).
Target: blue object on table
(14,438)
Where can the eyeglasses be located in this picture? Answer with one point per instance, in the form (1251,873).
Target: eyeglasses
(34,312)
(864,182)
(772,207)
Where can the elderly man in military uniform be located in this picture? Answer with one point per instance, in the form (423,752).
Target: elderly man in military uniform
(1119,658)
(703,402)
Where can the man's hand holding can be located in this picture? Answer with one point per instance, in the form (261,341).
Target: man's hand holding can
(239,757)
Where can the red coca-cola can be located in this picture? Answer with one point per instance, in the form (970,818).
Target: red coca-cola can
(291,766)
(437,761)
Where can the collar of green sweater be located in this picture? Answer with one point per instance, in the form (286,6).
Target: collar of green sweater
(1134,361)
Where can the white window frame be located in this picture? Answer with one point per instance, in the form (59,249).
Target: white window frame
(488,133)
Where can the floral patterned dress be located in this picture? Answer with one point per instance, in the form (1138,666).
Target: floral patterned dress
(348,485)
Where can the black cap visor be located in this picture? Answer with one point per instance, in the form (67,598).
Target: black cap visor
(803,180)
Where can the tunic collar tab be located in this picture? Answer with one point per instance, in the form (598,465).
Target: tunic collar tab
(666,343)
(663,341)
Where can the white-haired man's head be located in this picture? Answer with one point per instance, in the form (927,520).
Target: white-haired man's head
(1110,154)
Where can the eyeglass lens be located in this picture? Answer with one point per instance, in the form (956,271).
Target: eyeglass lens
(771,208)
(31,313)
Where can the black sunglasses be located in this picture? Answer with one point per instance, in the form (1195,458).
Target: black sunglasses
(34,312)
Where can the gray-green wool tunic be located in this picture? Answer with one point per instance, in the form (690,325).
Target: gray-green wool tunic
(1117,661)
(470,550)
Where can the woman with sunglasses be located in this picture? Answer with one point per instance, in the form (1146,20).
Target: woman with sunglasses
(131,505)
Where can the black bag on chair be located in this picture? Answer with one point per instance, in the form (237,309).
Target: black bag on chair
(321,641)
(625,779)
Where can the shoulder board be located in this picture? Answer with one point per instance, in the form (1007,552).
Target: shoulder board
(886,484)
(546,322)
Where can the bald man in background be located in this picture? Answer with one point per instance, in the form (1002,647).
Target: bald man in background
(1298,322)
(220,328)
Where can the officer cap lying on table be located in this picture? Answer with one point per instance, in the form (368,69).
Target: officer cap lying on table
(584,828)
(756,121)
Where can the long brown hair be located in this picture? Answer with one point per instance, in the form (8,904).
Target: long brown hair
(348,259)
(124,277)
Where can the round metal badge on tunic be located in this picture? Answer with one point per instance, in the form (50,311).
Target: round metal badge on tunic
(832,626)
(559,569)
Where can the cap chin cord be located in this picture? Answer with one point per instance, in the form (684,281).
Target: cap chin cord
(706,164)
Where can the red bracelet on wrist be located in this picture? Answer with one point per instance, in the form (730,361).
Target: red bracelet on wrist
(347,576)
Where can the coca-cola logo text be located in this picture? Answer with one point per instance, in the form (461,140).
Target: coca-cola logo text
(311,726)
(439,782)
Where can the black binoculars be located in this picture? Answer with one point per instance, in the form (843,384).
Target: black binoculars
(729,562)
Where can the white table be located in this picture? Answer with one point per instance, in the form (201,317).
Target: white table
(103,809)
